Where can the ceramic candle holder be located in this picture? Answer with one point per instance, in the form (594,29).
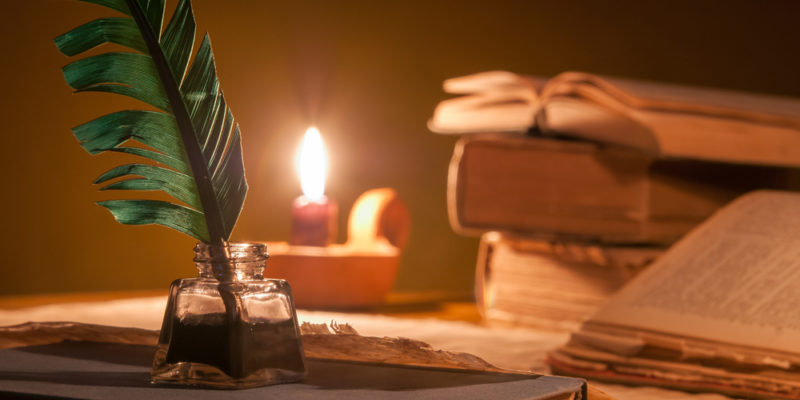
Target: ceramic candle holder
(360,272)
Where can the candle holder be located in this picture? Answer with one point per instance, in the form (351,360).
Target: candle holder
(356,274)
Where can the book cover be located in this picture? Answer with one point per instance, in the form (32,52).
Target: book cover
(581,191)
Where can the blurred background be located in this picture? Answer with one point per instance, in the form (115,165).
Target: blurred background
(368,74)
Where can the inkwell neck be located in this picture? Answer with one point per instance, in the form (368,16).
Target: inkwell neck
(234,261)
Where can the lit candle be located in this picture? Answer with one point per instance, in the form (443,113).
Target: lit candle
(313,214)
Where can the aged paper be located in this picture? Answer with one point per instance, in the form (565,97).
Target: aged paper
(327,341)
(735,279)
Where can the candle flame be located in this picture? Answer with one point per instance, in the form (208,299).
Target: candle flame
(312,165)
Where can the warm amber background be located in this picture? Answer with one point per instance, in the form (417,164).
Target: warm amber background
(366,72)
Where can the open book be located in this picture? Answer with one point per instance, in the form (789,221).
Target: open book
(664,119)
(719,311)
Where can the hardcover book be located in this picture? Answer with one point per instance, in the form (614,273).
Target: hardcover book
(551,285)
(581,191)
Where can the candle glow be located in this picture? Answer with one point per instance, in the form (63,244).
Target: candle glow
(314,215)
(312,165)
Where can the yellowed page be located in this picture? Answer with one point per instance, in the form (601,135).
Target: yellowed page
(493,101)
(659,96)
(735,279)
(721,139)
(674,120)
(670,134)
(571,116)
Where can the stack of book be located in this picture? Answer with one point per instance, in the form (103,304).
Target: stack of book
(578,182)
(551,285)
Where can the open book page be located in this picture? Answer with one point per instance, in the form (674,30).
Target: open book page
(485,112)
(483,81)
(680,369)
(735,279)
(575,117)
(769,384)
(718,139)
(494,101)
(666,134)
(672,121)
(663,119)
(653,96)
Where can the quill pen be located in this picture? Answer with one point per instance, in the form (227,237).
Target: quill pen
(193,138)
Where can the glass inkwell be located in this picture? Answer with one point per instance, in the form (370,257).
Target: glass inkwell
(229,327)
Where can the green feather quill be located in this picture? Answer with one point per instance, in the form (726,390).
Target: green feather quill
(194,140)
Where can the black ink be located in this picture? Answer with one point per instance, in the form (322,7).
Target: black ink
(238,348)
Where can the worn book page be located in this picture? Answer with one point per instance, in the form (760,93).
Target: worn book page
(735,279)
(674,120)
(493,101)
(665,119)
(668,134)
(330,341)
(674,98)
(588,363)
(711,138)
